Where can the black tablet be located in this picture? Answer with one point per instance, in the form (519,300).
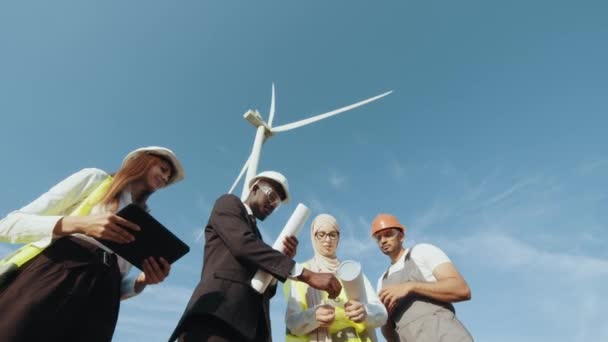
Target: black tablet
(153,240)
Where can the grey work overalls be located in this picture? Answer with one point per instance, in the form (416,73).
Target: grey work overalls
(418,318)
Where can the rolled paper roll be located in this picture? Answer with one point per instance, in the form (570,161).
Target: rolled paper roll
(349,273)
(261,279)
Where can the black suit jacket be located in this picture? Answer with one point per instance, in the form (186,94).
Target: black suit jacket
(234,251)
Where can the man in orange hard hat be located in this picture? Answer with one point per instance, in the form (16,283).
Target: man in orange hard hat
(418,289)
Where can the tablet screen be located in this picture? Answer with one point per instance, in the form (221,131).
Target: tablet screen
(152,240)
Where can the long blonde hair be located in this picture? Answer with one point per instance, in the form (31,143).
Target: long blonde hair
(134,169)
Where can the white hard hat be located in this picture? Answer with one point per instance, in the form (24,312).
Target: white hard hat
(162,152)
(275,176)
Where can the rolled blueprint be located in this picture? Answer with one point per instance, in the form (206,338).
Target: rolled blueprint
(349,273)
(261,279)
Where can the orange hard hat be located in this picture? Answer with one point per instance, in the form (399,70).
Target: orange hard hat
(386,221)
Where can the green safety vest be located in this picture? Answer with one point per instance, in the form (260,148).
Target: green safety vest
(9,265)
(342,328)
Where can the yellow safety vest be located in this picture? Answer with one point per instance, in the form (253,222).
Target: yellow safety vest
(342,328)
(10,264)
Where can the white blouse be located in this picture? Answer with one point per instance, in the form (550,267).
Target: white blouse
(35,222)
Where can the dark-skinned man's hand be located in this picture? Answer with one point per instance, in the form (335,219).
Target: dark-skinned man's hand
(322,281)
(290,246)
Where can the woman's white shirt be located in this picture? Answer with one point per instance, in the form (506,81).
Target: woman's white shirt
(35,222)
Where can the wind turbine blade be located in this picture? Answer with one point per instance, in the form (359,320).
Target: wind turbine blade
(271,117)
(304,122)
(240,176)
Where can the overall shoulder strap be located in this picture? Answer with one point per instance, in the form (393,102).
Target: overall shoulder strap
(409,254)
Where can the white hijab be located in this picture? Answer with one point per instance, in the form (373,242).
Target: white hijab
(321,263)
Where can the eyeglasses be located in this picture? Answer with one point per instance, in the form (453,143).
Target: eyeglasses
(272,196)
(386,233)
(333,236)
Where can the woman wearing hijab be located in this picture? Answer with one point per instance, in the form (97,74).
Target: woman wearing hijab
(311,316)
(71,291)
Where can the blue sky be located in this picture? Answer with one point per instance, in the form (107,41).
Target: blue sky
(492,146)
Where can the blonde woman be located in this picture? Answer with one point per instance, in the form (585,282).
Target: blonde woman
(72,289)
(311,316)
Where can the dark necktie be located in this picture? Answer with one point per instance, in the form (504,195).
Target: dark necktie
(254,223)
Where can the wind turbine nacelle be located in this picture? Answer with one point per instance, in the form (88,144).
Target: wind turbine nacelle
(254,117)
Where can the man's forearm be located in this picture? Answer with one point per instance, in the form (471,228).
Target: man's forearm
(446,290)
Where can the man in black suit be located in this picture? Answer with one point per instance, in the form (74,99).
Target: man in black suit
(224,306)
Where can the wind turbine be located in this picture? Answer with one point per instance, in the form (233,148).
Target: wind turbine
(265,131)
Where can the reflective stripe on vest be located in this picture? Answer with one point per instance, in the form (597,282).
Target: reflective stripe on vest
(29,251)
(341,324)
(87,205)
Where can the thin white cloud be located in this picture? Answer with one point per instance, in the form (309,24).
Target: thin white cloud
(357,249)
(509,191)
(471,202)
(498,249)
(355,242)
(364,223)
(592,237)
(592,166)
(433,215)
(336,180)
(316,205)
